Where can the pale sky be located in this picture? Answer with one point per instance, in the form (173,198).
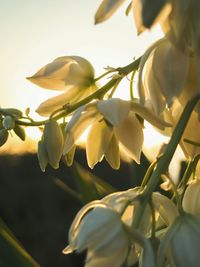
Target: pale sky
(35,32)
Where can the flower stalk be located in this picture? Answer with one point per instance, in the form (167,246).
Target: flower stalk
(164,160)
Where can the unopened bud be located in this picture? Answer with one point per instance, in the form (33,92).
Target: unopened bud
(53,141)
(8,122)
(19,131)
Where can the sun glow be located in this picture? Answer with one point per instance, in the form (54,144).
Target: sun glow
(38,46)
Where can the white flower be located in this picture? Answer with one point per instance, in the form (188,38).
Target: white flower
(101,232)
(182,25)
(165,74)
(73,74)
(113,123)
(102,227)
(180,245)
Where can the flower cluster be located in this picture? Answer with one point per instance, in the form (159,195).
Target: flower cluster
(104,229)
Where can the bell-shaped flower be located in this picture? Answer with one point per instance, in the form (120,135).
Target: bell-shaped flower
(113,123)
(101,232)
(159,82)
(191,198)
(182,26)
(72,74)
(181,242)
(50,147)
(102,227)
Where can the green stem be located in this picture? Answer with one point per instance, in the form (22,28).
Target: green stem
(148,174)
(164,161)
(96,95)
(104,74)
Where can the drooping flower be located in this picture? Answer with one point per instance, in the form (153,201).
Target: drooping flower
(102,229)
(113,124)
(182,25)
(180,245)
(73,74)
(50,147)
(165,74)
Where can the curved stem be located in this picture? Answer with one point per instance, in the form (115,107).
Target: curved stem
(123,71)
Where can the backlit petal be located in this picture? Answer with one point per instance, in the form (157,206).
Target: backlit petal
(98,140)
(130,135)
(107,9)
(114,110)
(112,154)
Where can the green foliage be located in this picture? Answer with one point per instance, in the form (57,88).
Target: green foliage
(11,252)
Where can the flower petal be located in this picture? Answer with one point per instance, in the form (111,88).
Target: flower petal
(107,9)
(130,135)
(75,129)
(52,75)
(98,140)
(112,154)
(149,116)
(114,110)
(154,96)
(166,208)
(169,64)
(96,226)
(116,259)
(56,102)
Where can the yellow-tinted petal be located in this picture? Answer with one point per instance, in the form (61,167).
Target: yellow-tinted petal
(98,140)
(169,64)
(56,102)
(77,125)
(114,110)
(130,135)
(52,75)
(107,9)
(166,208)
(112,154)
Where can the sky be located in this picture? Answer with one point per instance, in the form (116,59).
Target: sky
(33,33)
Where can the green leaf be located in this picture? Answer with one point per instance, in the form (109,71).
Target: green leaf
(90,186)
(11,252)
(3,136)
(19,131)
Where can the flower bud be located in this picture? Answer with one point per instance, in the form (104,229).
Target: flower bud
(181,243)
(63,72)
(8,122)
(3,136)
(53,142)
(191,199)
(20,132)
